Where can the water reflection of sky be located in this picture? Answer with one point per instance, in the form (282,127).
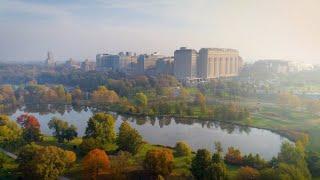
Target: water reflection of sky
(168,131)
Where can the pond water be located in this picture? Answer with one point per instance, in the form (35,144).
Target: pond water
(167,131)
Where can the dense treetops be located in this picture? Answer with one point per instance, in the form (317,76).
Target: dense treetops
(44,162)
(9,130)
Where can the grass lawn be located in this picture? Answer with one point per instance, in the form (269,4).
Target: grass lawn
(291,122)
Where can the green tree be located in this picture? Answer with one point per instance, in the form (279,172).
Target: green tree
(314,163)
(120,163)
(2,160)
(101,127)
(129,138)
(159,161)
(9,130)
(182,149)
(43,162)
(62,130)
(293,157)
(200,99)
(217,169)
(200,164)
(141,100)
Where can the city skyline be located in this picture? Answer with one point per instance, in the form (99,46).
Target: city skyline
(273,29)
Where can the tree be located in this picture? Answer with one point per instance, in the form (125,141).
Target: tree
(269,173)
(182,149)
(62,130)
(141,100)
(254,161)
(217,169)
(233,156)
(103,95)
(76,94)
(9,130)
(248,173)
(44,162)
(293,157)
(314,163)
(119,164)
(200,99)
(101,127)
(94,163)
(89,144)
(50,162)
(129,139)
(218,147)
(31,127)
(159,161)
(288,171)
(2,160)
(183,95)
(200,164)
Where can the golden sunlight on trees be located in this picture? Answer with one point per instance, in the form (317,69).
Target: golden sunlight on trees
(103,95)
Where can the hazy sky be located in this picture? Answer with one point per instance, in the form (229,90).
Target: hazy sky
(287,29)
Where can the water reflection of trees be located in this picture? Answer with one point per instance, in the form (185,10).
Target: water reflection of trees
(44,109)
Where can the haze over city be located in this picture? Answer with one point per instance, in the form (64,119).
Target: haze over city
(285,29)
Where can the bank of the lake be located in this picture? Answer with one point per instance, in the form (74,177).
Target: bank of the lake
(199,133)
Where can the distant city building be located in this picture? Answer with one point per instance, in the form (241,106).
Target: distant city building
(121,62)
(298,66)
(185,63)
(218,62)
(87,65)
(50,62)
(271,66)
(146,63)
(164,65)
(71,64)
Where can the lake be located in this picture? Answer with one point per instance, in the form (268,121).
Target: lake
(167,131)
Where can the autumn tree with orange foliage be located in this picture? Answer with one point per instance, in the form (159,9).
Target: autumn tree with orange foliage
(31,128)
(103,95)
(233,156)
(246,173)
(159,161)
(94,163)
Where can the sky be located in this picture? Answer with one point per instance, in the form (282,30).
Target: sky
(80,29)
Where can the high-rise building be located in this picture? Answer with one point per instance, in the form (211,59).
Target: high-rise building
(164,65)
(120,62)
(185,63)
(146,62)
(218,62)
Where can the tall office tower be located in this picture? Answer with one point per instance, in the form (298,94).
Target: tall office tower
(218,62)
(185,63)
